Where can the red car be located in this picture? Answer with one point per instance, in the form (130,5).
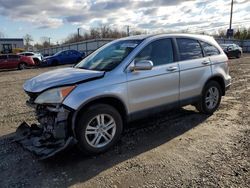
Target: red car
(15,61)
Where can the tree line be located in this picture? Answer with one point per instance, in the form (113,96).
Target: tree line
(108,32)
(240,33)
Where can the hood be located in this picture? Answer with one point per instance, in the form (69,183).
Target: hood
(60,77)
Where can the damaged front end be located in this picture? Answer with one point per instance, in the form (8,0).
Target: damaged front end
(51,135)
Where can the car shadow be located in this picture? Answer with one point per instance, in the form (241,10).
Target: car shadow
(141,136)
(7,70)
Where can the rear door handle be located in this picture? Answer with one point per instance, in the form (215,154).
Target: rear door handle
(172,68)
(206,62)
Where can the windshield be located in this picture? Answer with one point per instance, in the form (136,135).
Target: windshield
(107,58)
(56,54)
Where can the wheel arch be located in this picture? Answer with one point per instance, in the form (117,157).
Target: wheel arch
(113,101)
(219,79)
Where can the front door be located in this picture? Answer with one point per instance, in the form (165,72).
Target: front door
(158,87)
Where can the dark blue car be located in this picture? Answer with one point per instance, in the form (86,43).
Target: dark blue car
(63,57)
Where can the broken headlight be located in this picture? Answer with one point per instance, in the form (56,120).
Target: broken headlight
(54,96)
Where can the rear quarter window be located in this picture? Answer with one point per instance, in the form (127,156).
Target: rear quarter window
(209,49)
(189,49)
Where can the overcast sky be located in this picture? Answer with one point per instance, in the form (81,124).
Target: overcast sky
(59,18)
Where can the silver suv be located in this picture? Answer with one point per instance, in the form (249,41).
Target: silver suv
(130,78)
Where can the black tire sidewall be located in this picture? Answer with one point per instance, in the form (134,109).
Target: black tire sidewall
(238,55)
(82,123)
(206,88)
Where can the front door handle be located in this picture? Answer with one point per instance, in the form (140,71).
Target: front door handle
(206,62)
(172,68)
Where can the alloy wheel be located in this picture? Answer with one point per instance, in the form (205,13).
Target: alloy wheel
(100,130)
(212,97)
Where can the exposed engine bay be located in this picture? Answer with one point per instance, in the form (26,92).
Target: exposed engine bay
(50,136)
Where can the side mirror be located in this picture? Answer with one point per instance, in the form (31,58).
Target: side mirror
(142,65)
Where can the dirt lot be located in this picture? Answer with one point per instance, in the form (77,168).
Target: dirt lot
(178,149)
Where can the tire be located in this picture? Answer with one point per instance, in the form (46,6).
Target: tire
(21,66)
(54,63)
(238,55)
(78,60)
(93,140)
(37,61)
(213,103)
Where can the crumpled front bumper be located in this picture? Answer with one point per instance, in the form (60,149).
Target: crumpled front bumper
(50,136)
(43,145)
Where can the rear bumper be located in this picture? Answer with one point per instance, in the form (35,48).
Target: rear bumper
(228,83)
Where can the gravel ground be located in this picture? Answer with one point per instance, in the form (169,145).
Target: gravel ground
(178,149)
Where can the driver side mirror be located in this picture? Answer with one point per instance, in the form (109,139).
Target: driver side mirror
(142,65)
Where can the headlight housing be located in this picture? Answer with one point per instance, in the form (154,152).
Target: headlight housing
(54,96)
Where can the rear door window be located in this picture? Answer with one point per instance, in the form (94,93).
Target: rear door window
(189,49)
(13,57)
(209,49)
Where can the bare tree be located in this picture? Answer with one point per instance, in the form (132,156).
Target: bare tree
(28,39)
(2,34)
(45,42)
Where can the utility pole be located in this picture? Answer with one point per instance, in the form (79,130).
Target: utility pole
(127,30)
(230,32)
(231,14)
(49,41)
(78,33)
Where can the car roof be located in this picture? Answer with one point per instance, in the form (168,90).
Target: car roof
(142,37)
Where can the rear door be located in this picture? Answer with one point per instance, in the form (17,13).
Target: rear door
(13,61)
(158,87)
(195,69)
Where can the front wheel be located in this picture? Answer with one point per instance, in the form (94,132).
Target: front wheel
(210,99)
(98,129)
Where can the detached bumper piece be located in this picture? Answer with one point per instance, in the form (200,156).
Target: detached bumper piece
(42,144)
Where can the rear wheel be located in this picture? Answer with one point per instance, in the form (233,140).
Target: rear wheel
(98,129)
(238,55)
(210,99)
(22,66)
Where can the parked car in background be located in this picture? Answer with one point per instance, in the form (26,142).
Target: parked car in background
(232,50)
(11,61)
(37,57)
(127,79)
(63,57)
